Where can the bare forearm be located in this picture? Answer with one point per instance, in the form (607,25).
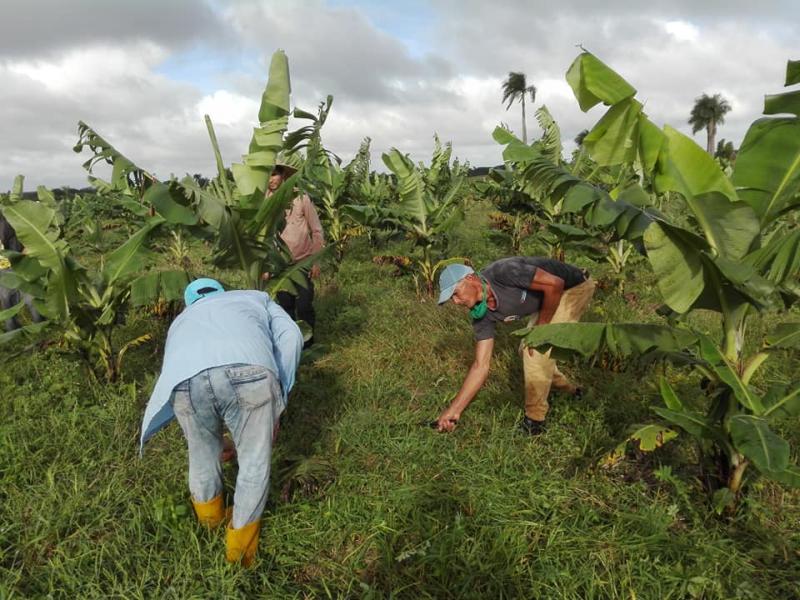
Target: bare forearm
(473,382)
(548,308)
(551,288)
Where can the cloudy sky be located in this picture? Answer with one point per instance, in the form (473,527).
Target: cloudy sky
(144,73)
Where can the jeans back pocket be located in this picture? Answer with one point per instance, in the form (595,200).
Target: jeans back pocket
(253,385)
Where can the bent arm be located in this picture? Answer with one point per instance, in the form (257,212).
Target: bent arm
(552,288)
(287,344)
(473,382)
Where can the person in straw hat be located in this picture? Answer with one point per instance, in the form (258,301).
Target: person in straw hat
(304,237)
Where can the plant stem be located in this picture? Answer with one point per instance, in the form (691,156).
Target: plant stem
(223,176)
(735,479)
(752,366)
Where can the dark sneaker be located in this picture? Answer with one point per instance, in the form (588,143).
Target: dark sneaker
(531,427)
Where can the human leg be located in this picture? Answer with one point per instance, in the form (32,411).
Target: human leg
(193,403)
(247,398)
(305,303)
(287,302)
(573,304)
(538,371)
(561,382)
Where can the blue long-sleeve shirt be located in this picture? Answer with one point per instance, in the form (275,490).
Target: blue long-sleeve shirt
(226,328)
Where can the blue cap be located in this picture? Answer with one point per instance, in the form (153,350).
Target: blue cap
(449,279)
(200,288)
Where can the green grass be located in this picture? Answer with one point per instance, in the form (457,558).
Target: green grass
(480,513)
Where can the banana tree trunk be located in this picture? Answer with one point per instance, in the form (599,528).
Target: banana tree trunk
(428,270)
(737,474)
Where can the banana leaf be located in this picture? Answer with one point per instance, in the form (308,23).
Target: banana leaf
(127,259)
(593,82)
(411,188)
(647,439)
(10,313)
(728,374)
(126,177)
(779,403)
(767,168)
(752,437)
(788,476)
(155,285)
(620,339)
(294,276)
(159,195)
(785,336)
(689,420)
(253,174)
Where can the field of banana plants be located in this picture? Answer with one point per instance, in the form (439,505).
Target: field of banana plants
(675,475)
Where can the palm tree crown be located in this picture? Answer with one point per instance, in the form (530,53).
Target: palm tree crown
(709,112)
(515,87)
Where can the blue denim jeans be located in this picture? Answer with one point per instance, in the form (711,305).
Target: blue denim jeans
(247,399)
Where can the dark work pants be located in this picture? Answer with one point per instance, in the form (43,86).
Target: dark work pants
(301,306)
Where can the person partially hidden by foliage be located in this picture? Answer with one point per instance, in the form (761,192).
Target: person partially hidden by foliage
(10,297)
(509,289)
(230,358)
(303,236)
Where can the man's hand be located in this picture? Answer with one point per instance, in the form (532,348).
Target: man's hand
(447,420)
(228,450)
(314,272)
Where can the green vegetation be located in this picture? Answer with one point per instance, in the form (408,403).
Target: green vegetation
(366,500)
(483,512)
(736,255)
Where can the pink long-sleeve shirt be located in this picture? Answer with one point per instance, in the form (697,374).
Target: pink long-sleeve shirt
(303,231)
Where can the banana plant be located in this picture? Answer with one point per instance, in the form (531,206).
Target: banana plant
(737,254)
(234,211)
(128,181)
(529,212)
(425,213)
(329,186)
(619,254)
(83,304)
(363,199)
(245,221)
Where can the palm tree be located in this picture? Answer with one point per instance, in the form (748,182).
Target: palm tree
(516,88)
(707,113)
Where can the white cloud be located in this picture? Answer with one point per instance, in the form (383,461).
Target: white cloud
(682,31)
(449,82)
(227,108)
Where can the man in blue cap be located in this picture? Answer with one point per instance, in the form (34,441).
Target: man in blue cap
(509,289)
(230,358)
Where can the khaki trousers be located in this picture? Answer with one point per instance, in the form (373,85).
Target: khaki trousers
(540,371)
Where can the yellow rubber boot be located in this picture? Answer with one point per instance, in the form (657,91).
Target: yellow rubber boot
(211,513)
(241,544)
